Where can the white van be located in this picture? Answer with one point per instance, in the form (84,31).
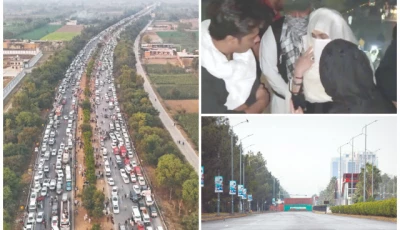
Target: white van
(136,214)
(71,114)
(111,126)
(107,171)
(149,200)
(104,152)
(110,105)
(70,144)
(68,131)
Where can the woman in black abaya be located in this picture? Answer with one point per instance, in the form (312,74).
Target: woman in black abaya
(347,77)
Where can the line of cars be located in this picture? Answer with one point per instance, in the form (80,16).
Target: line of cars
(121,147)
(50,177)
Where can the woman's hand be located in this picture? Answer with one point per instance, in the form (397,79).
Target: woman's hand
(304,63)
(292,110)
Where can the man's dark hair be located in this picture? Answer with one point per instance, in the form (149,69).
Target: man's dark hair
(237,18)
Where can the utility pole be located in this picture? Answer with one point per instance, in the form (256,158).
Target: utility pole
(365,158)
(232,165)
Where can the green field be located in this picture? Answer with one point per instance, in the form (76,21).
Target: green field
(178,92)
(39,32)
(190,123)
(177,79)
(64,36)
(172,82)
(188,40)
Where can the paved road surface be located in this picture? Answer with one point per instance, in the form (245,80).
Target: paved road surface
(299,221)
(186,149)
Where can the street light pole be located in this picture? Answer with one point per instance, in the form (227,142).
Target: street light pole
(232,157)
(352,164)
(365,157)
(373,171)
(240,166)
(340,176)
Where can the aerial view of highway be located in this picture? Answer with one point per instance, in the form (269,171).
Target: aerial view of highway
(51,201)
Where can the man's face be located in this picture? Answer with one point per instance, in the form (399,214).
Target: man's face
(247,42)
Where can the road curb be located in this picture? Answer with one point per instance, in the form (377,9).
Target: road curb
(379,218)
(214,218)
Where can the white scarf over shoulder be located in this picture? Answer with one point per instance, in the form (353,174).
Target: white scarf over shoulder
(238,74)
(331,23)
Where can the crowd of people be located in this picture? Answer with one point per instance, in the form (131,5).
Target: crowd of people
(309,59)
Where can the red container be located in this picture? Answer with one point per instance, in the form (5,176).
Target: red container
(298,201)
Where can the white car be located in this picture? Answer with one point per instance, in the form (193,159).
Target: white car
(60,151)
(116,209)
(133,163)
(41,161)
(136,189)
(133,177)
(46,168)
(58,164)
(36,149)
(59,158)
(40,217)
(33,195)
(113,145)
(65,117)
(62,146)
(44,148)
(114,200)
(130,154)
(125,178)
(54,222)
(39,175)
(54,152)
(114,191)
(60,173)
(31,218)
(46,183)
(142,182)
(37,188)
(53,184)
(110,181)
(43,192)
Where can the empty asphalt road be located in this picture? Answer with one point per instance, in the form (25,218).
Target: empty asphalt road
(299,221)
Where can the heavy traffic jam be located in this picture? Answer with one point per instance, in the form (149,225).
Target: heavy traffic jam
(53,191)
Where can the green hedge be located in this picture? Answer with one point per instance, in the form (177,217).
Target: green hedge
(386,208)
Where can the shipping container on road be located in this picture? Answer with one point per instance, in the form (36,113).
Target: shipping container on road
(298,201)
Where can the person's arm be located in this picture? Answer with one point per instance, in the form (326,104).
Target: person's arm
(269,63)
(262,101)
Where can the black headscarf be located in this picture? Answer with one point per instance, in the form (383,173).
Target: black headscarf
(347,77)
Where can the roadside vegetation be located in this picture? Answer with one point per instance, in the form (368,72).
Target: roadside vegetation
(153,143)
(216,155)
(387,208)
(190,123)
(24,123)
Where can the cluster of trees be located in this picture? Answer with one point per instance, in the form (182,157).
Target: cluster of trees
(152,141)
(384,187)
(25,121)
(216,160)
(92,199)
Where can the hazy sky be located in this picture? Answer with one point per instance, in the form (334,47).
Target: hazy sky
(298,149)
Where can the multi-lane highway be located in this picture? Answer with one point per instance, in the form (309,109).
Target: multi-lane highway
(107,112)
(298,221)
(56,151)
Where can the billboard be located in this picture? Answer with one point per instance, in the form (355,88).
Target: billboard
(202,176)
(240,190)
(232,187)
(250,197)
(218,184)
(244,197)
